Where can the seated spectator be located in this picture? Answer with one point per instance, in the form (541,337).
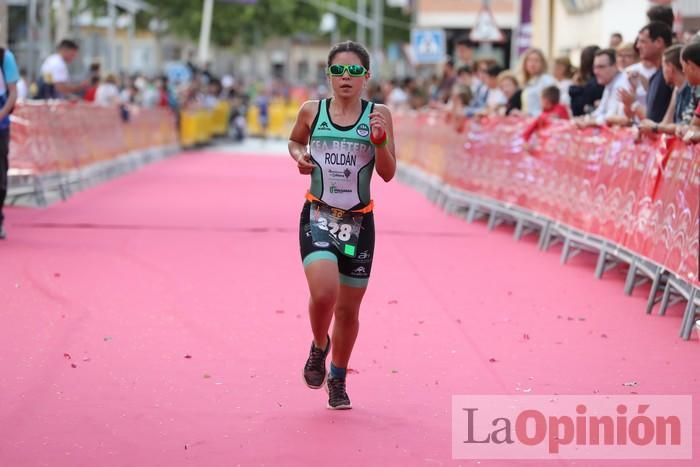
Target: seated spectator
(552,109)
(563,73)
(680,111)
(535,79)
(607,74)
(690,58)
(652,40)
(508,83)
(585,90)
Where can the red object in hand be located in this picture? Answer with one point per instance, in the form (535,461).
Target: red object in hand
(379,141)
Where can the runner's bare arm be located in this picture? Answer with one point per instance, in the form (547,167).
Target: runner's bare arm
(299,139)
(385,155)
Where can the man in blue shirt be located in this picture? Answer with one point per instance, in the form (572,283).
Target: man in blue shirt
(9,76)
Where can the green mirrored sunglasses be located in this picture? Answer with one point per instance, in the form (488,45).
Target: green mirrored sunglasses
(353,70)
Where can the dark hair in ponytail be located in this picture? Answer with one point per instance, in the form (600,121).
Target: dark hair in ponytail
(350,46)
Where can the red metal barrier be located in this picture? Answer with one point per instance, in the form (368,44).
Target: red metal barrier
(50,137)
(640,193)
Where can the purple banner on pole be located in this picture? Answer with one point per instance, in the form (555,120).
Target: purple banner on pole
(524,39)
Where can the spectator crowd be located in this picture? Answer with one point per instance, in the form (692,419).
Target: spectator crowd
(652,83)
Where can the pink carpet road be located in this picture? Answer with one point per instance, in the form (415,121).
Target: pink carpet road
(160,320)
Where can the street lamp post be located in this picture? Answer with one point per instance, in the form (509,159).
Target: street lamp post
(4,23)
(362,13)
(378,26)
(205,31)
(111,33)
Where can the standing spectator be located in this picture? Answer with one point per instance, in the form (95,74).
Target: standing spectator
(375,92)
(464,76)
(262,102)
(640,72)
(495,99)
(91,90)
(8,96)
(95,70)
(690,58)
(652,41)
(107,93)
(680,111)
(193,68)
(563,74)
(662,13)
(461,96)
(510,87)
(397,97)
(478,87)
(22,88)
(465,52)
(627,56)
(585,91)
(449,76)
(167,97)
(54,80)
(151,94)
(535,79)
(615,40)
(607,74)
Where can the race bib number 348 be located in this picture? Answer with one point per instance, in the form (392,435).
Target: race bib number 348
(337,227)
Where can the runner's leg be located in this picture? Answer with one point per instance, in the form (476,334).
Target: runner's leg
(322,277)
(347,324)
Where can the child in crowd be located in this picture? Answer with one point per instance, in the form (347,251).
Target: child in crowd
(551,109)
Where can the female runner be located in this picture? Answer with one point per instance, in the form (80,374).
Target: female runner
(339,141)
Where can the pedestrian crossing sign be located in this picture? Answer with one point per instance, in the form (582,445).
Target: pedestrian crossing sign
(428,45)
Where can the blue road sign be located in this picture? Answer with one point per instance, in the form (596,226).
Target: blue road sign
(428,45)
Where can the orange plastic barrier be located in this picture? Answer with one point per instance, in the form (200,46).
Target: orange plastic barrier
(643,194)
(52,137)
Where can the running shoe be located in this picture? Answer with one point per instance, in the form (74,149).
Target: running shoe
(315,368)
(337,395)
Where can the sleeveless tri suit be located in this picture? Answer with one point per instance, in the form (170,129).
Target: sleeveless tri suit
(336,221)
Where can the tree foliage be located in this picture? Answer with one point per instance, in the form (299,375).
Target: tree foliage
(248,24)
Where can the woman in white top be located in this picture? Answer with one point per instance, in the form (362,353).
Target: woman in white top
(536,78)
